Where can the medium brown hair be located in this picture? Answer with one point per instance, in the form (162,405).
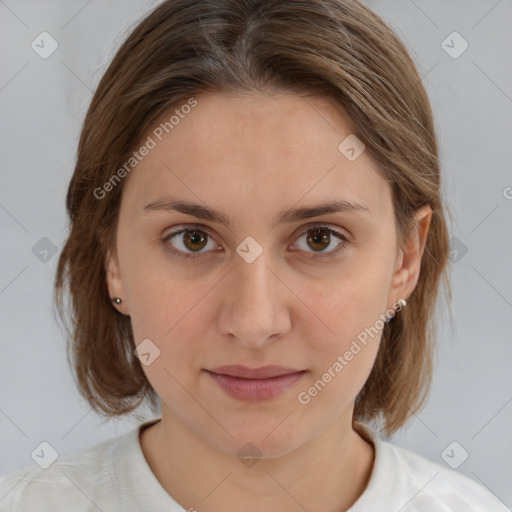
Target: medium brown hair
(336,48)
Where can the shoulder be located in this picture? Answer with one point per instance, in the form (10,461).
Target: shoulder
(421,485)
(75,481)
(443,489)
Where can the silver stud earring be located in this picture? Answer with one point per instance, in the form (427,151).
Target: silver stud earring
(401,303)
(117,300)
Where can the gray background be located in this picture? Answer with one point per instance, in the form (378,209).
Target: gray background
(42,105)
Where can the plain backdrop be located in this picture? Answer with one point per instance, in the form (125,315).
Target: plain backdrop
(42,106)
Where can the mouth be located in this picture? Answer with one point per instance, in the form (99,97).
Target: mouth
(255,384)
(264,372)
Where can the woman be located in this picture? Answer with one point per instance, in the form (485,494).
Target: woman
(256,244)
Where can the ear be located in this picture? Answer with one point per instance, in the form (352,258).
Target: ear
(115,282)
(407,269)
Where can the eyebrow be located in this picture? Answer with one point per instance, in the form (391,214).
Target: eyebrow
(287,216)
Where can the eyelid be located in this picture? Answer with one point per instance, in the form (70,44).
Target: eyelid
(188,227)
(336,229)
(302,230)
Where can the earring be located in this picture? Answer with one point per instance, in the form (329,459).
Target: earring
(401,303)
(117,300)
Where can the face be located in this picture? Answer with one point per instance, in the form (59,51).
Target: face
(251,286)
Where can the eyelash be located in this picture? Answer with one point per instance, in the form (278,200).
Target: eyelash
(319,256)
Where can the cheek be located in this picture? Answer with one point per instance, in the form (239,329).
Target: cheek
(172,312)
(344,335)
(342,357)
(157,294)
(173,317)
(347,304)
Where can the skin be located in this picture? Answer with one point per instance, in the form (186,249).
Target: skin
(251,157)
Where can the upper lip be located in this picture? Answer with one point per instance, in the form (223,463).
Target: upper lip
(264,372)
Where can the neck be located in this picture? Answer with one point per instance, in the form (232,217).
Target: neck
(330,472)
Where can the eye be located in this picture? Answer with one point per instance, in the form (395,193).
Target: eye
(192,239)
(320,238)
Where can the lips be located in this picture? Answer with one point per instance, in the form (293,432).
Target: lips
(253,385)
(264,372)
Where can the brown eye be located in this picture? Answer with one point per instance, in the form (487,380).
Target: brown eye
(194,240)
(189,243)
(318,239)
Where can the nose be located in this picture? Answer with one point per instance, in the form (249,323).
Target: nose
(256,306)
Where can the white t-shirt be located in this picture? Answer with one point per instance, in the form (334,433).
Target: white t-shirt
(115,476)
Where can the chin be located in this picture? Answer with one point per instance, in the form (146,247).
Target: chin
(269,439)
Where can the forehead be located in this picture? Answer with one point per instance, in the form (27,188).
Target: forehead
(254,148)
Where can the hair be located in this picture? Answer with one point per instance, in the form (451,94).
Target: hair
(336,48)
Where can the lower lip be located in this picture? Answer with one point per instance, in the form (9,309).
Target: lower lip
(254,390)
